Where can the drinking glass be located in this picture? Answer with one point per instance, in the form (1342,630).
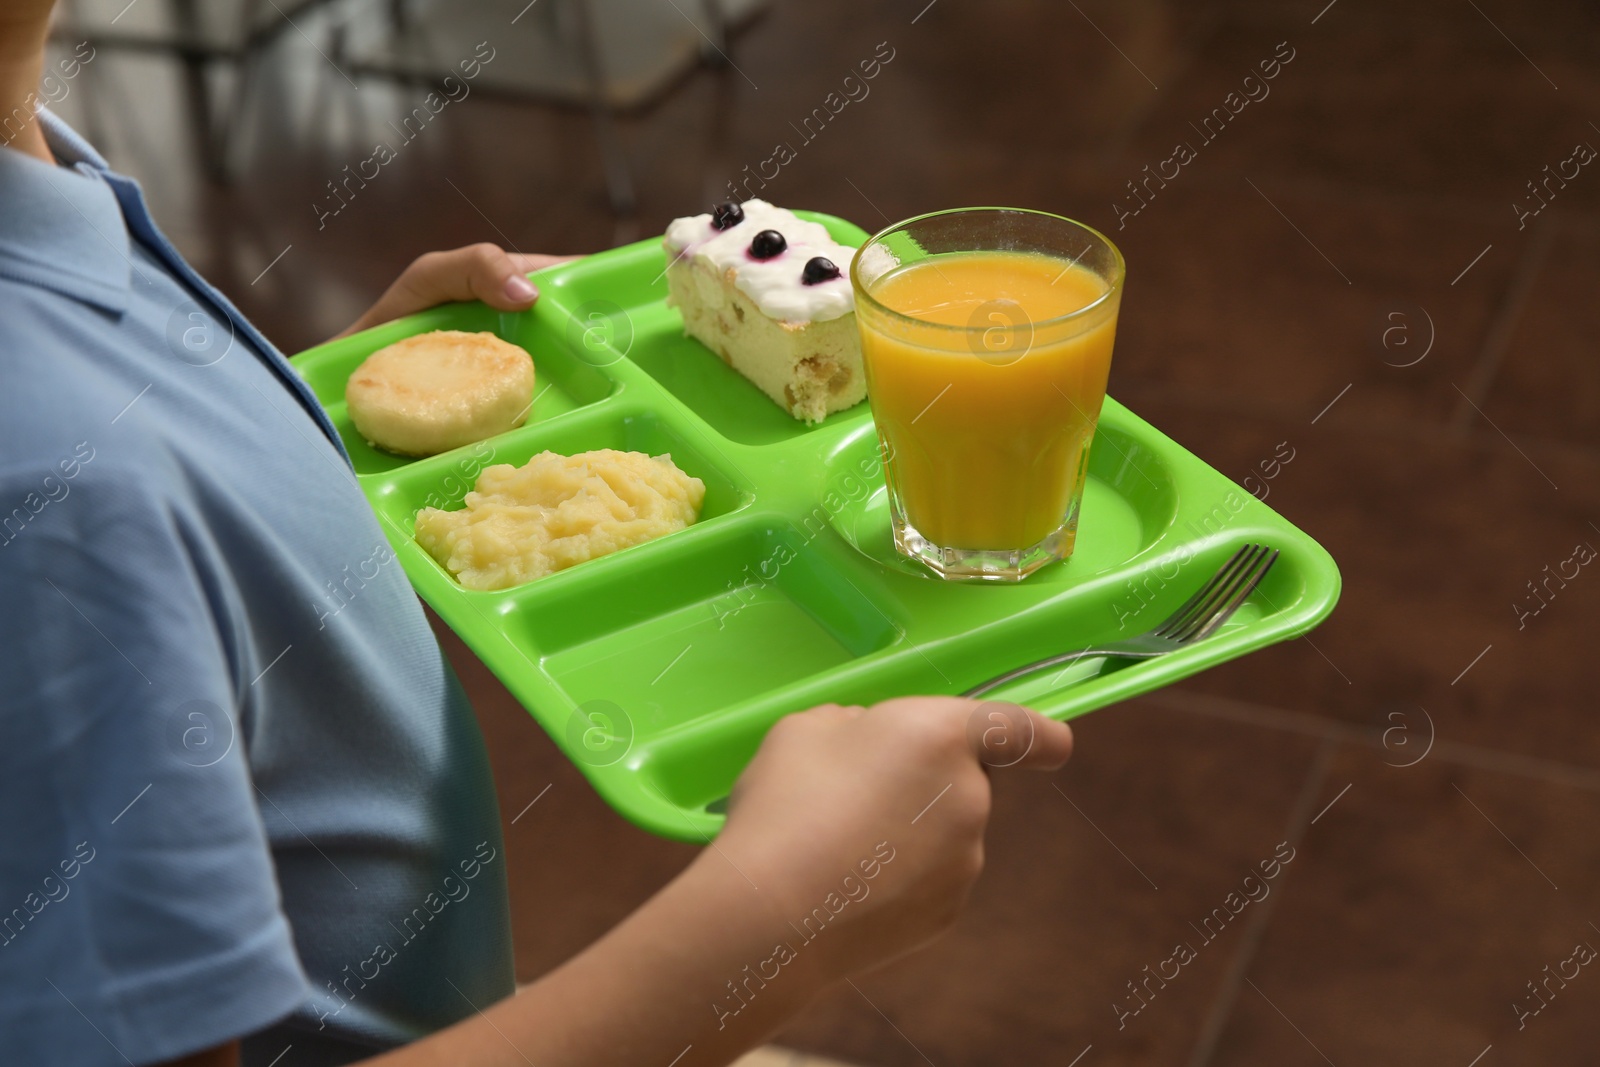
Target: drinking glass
(986,337)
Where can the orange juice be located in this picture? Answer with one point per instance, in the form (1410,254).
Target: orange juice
(987,427)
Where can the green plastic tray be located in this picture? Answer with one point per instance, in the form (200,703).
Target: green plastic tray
(658,669)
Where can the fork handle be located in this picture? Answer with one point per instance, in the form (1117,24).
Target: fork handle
(1055,661)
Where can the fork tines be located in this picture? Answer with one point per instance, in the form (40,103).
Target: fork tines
(1217,600)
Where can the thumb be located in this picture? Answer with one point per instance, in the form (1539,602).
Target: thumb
(1008,735)
(477,272)
(488,273)
(528,262)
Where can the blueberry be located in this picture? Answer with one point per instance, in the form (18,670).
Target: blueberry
(818,270)
(767,243)
(726,214)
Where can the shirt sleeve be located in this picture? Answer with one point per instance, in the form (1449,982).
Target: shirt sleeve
(140,917)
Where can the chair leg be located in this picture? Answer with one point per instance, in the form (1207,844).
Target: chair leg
(714,52)
(209,139)
(619,183)
(246,68)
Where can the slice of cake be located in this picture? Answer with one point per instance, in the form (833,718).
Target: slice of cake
(767,292)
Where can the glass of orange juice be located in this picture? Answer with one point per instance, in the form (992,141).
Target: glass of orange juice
(986,336)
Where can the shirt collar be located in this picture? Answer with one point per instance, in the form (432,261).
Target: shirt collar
(63,228)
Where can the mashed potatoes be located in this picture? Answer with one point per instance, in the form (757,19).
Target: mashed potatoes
(522,523)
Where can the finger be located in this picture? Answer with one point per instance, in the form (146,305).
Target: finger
(493,277)
(998,733)
(1008,735)
(528,262)
(832,712)
(927,705)
(477,272)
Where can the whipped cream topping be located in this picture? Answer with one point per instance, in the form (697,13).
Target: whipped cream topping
(773,284)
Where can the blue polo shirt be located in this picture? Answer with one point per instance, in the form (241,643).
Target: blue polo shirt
(244,796)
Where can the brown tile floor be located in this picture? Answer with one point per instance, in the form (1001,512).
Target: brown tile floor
(1430,896)
(1372,190)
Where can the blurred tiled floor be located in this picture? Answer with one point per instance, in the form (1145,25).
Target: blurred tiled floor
(1341,269)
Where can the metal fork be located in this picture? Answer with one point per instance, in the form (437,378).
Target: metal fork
(1200,617)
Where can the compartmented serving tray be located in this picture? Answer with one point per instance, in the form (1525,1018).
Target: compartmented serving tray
(658,669)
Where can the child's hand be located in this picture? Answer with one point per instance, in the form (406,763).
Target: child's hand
(477,272)
(868,822)
(853,837)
